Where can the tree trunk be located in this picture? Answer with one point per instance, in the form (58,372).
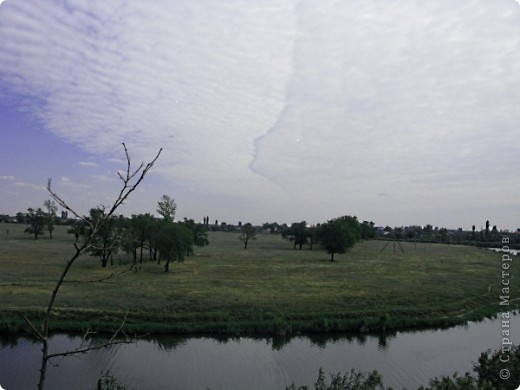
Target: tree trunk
(245,244)
(332,256)
(43,368)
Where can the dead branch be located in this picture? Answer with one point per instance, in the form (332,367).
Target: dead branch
(127,187)
(131,181)
(33,328)
(109,343)
(112,275)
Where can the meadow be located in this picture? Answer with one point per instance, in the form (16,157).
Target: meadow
(268,288)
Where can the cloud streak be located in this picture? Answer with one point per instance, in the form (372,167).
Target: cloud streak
(88,164)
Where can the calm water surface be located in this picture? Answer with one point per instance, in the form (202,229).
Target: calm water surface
(405,359)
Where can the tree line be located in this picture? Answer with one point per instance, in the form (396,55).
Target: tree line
(336,236)
(162,239)
(142,235)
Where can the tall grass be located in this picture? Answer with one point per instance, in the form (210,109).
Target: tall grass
(267,288)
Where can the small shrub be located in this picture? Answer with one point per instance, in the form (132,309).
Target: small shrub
(355,380)
(109,382)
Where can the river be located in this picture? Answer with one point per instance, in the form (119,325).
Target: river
(405,359)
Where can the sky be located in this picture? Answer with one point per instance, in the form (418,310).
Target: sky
(399,112)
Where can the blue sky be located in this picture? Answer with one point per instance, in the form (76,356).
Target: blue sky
(400,112)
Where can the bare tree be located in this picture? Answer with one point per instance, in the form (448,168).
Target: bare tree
(130,180)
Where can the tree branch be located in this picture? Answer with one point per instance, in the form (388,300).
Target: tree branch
(113,274)
(109,343)
(127,187)
(33,328)
(130,182)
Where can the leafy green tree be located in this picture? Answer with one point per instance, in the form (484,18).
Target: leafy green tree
(173,240)
(78,229)
(141,228)
(355,380)
(454,382)
(107,236)
(443,235)
(490,365)
(428,231)
(296,233)
(36,220)
(200,234)
(129,243)
(248,233)
(166,207)
(398,233)
(488,370)
(110,382)
(153,239)
(273,227)
(413,232)
(52,208)
(339,234)
(312,234)
(20,217)
(368,230)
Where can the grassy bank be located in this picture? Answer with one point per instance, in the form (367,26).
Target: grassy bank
(267,288)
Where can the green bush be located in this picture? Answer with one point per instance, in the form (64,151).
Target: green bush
(355,380)
(109,382)
(498,370)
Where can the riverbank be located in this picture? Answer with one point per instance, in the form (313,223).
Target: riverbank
(268,288)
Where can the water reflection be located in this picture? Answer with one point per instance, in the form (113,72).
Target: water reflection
(275,342)
(169,343)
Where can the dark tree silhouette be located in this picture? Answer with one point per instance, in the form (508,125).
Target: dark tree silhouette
(36,220)
(340,234)
(248,234)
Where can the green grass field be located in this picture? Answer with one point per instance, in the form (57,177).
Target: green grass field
(267,288)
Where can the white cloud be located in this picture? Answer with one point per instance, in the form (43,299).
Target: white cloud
(7,177)
(88,164)
(103,178)
(314,105)
(29,186)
